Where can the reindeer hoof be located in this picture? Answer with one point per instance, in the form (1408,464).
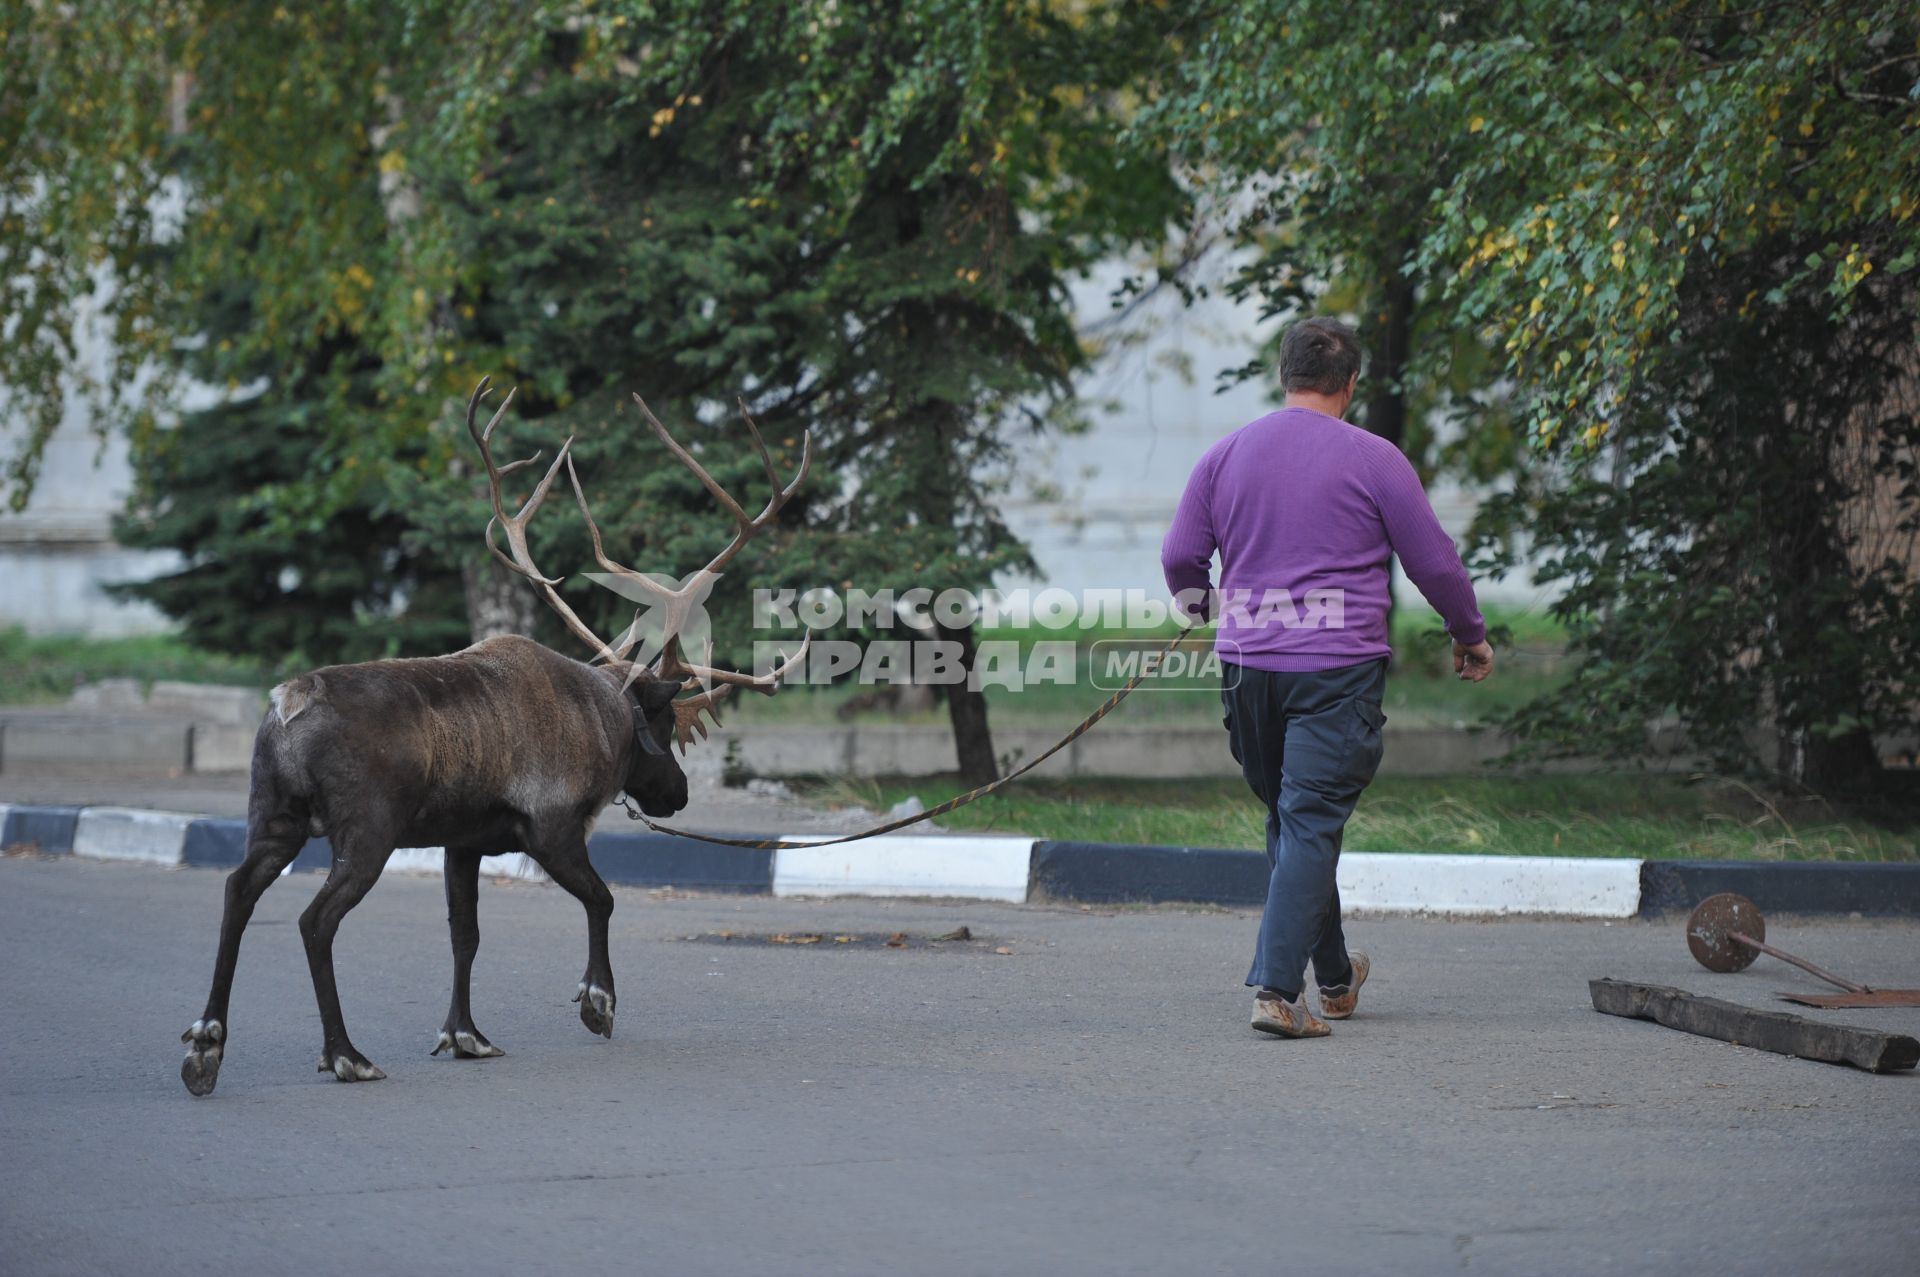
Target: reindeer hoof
(466,1044)
(206,1041)
(349,1066)
(596,1008)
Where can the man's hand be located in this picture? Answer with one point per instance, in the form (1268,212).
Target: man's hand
(1472,662)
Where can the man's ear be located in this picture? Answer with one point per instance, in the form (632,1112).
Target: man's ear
(655,694)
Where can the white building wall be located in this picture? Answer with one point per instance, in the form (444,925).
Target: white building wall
(58,553)
(1154,411)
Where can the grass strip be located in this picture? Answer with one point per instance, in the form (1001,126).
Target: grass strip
(1640,816)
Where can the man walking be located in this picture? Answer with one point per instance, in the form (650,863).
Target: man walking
(1304,510)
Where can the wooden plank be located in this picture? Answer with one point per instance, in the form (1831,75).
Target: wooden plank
(1775,1031)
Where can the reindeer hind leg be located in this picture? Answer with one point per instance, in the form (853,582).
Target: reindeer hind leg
(272,843)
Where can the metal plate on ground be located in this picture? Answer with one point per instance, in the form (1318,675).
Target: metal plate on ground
(1710,931)
(959,940)
(1871,998)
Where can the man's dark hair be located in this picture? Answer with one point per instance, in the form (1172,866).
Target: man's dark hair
(1319,355)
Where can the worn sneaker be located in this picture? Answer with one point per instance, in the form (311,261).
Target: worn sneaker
(1337,1001)
(1287,1019)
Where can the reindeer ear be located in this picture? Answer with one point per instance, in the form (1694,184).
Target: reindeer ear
(655,694)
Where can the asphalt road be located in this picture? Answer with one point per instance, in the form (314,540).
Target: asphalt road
(1091,1102)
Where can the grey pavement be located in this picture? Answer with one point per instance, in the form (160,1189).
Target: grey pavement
(762,808)
(1091,1102)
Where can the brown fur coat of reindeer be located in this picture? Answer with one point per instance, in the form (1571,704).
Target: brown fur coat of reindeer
(505,746)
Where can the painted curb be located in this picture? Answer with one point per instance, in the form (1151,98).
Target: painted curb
(647,859)
(1377,882)
(1562,886)
(948,865)
(624,859)
(1801,886)
(1128,873)
(1017,869)
(432,860)
(129,833)
(49,829)
(212,843)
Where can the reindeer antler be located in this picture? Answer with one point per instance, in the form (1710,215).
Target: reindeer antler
(687,710)
(677,602)
(515,525)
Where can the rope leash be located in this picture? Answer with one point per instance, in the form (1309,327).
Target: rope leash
(972,795)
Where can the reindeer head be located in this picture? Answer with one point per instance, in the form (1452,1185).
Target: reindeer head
(660,713)
(654,779)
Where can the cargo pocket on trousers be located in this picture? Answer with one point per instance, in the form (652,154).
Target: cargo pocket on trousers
(1369,741)
(1226,721)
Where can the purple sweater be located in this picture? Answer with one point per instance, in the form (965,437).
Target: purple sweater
(1304,510)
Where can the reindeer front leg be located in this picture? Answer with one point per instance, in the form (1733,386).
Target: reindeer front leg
(463,923)
(564,857)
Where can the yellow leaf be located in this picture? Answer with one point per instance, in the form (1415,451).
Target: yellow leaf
(1478,123)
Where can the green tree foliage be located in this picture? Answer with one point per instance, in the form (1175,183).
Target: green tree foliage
(1741,554)
(859,217)
(1694,227)
(1686,232)
(357,585)
(240,138)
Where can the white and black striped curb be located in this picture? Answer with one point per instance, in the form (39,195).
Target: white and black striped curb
(968,867)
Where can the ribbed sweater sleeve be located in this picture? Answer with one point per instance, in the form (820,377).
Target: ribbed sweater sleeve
(1427,553)
(1186,555)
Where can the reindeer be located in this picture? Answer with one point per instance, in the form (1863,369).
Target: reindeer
(507,745)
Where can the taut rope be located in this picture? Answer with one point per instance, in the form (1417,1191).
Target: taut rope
(972,795)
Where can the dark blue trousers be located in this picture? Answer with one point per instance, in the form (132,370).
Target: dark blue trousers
(1308,744)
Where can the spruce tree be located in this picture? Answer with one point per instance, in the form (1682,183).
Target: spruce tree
(356,585)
